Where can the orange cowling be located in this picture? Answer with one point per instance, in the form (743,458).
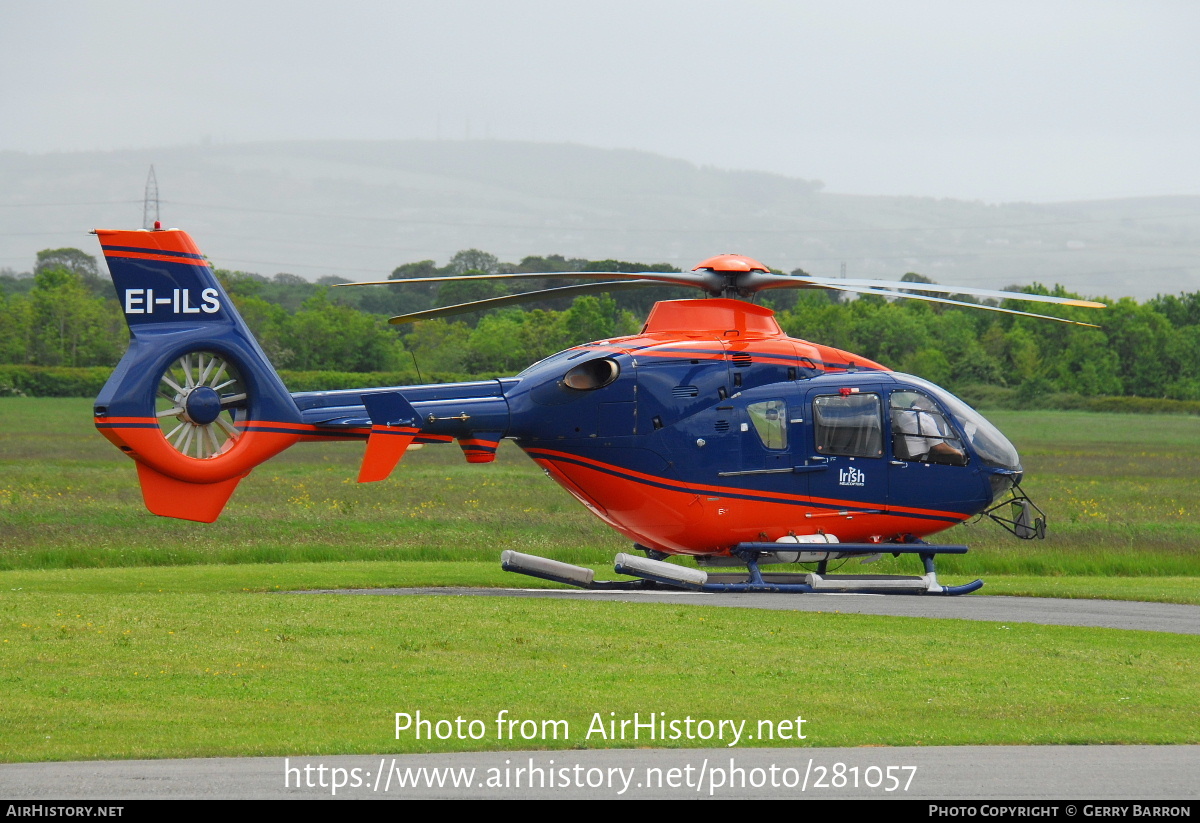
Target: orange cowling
(189,488)
(716,316)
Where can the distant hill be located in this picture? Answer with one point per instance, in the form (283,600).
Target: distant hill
(359,209)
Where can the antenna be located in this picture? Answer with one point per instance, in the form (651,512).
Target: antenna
(150,203)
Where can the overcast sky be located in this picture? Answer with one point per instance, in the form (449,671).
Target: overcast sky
(990,101)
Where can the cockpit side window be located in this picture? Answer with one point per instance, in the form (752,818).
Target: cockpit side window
(921,433)
(770,421)
(848,425)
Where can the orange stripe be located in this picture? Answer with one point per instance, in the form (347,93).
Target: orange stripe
(831,501)
(299,428)
(759,357)
(133,255)
(617,349)
(674,355)
(296,427)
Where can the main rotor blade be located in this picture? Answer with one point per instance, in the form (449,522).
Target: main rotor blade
(937,288)
(928,299)
(696,279)
(527,297)
(746,284)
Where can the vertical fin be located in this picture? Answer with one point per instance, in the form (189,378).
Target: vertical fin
(394,424)
(168,497)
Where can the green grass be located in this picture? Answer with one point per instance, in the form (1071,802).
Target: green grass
(200,674)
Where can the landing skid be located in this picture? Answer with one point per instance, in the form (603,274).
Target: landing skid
(559,572)
(655,574)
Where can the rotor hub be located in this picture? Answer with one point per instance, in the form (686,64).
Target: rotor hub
(202,406)
(731,263)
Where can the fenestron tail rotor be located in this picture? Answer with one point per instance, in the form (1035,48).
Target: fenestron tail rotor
(198,401)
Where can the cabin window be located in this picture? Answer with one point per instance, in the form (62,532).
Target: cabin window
(770,421)
(921,433)
(849,425)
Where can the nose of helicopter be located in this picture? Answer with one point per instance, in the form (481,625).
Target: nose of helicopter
(986,441)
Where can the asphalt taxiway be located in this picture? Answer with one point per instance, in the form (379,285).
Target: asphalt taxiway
(1109,614)
(1010,773)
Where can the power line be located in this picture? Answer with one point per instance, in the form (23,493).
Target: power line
(709,230)
(40,233)
(91,203)
(151,200)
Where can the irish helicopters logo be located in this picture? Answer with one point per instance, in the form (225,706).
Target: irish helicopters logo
(851,477)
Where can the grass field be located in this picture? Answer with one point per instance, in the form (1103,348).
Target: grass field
(126,635)
(153,675)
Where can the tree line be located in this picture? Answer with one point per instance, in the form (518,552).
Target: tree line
(65,313)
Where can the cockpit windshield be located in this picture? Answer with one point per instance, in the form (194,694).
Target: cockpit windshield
(986,440)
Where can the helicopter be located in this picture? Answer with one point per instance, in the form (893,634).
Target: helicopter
(710,434)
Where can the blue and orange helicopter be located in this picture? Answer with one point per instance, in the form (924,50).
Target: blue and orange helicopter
(710,434)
